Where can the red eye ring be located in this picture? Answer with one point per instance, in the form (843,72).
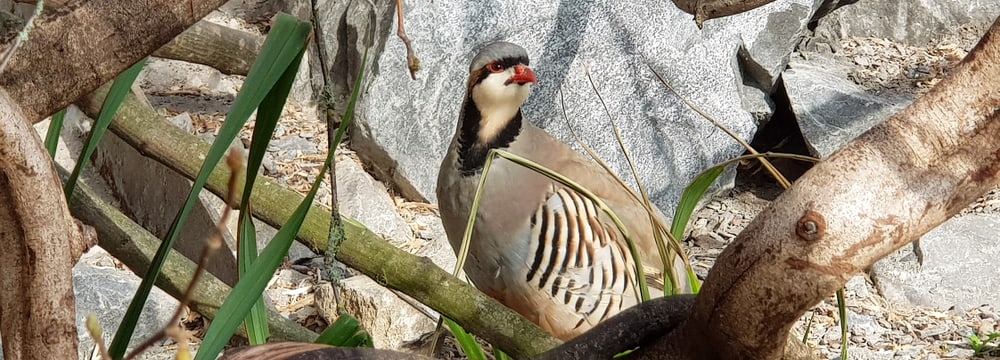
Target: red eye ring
(495,67)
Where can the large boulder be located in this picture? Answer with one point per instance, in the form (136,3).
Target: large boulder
(914,22)
(948,268)
(403,126)
(832,110)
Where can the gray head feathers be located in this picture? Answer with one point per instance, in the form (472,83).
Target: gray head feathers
(498,51)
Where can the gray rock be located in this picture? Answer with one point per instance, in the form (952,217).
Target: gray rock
(392,322)
(831,110)
(865,326)
(290,147)
(183,121)
(439,250)
(367,201)
(169,76)
(106,293)
(403,126)
(858,287)
(297,252)
(860,353)
(960,354)
(915,22)
(957,256)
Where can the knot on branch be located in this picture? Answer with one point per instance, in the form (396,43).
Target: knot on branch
(811,226)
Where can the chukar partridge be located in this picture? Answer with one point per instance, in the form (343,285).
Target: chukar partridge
(538,246)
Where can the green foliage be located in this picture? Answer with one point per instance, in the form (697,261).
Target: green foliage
(345,332)
(283,48)
(983,346)
(466,341)
(52,136)
(119,89)
(248,291)
(268,115)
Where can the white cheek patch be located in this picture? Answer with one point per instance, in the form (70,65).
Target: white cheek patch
(497,102)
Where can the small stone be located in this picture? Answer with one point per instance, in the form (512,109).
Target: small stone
(933,331)
(183,121)
(291,278)
(958,353)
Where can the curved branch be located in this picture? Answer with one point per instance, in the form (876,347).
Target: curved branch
(632,328)
(885,189)
(38,239)
(146,130)
(228,50)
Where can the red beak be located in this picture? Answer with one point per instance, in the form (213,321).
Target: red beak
(523,75)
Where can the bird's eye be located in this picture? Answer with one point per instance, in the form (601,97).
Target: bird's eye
(495,67)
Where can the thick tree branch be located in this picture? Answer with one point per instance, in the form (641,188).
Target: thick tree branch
(38,239)
(85,44)
(151,134)
(228,50)
(710,9)
(635,327)
(893,184)
(134,246)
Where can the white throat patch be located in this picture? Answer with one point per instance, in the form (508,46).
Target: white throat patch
(497,102)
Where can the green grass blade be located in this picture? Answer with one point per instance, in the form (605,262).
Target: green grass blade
(237,305)
(689,199)
(633,250)
(466,341)
(268,115)
(345,332)
(256,321)
(842,311)
(119,89)
(248,290)
(287,39)
(52,136)
(500,355)
(685,207)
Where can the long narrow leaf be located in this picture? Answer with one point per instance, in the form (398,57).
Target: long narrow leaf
(345,332)
(237,305)
(284,43)
(692,194)
(267,120)
(466,341)
(55,128)
(119,89)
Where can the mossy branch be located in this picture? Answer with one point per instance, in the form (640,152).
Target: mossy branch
(134,246)
(153,136)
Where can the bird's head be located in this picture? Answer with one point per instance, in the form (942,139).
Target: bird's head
(499,80)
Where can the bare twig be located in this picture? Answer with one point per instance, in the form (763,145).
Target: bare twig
(235,162)
(412,62)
